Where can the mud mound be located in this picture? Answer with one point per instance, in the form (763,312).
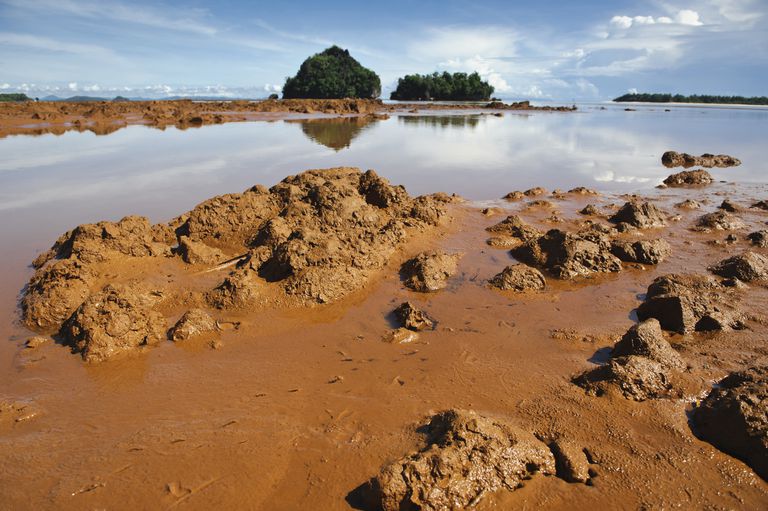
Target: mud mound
(193,323)
(642,215)
(759,238)
(514,230)
(689,302)
(571,461)
(697,177)
(720,221)
(413,318)
(581,190)
(763,204)
(746,267)
(54,293)
(566,255)
(642,251)
(729,206)
(688,204)
(429,271)
(641,365)
(467,456)
(589,209)
(519,277)
(535,191)
(514,195)
(672,159)
(113,321)
(733,417)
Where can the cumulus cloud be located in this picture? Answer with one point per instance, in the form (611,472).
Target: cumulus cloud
(272,87)
(683,17)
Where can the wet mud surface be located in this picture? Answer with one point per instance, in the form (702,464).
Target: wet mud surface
(281,400)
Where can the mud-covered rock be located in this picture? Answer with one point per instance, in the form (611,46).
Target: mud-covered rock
(734,417)
(53,294)
(688,204)
(240,289)
(116,320)
(401,336)
(672,159)
(429,271)
(729,206)
(566,255)
(197,252)
(762,204)
(193,323)
(746,267)
(581,190)
(646,339)
(514,195)
(697,177)
(512,231)
(519,277)
(719,220)
(690,302)
(571,463)
(589,209)
(637,378)
(467,457)
(535,191)
(413,318)
(759,238)
(641,251)
(642,215)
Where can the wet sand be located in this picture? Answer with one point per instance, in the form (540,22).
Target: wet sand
(301,406)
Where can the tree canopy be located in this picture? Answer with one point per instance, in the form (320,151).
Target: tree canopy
(695,98)
(14,97)
(442,86)
(332,74)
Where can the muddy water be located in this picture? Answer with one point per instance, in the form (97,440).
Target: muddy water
(257,424)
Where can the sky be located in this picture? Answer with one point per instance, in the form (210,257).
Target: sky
(547,50)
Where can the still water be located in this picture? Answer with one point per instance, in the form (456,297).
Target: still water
(50,183)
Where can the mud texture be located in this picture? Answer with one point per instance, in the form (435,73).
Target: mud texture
(193,323)
(312,238)
(569,255)
(734,417)
(519,277)
(698,177)
(720,221)
(642,215)
(688,204)
(747,267)
(641,251)
(413,318)
(691,302)
(467,456)
(672,159)
(571,462)
(429,271)
(759,238)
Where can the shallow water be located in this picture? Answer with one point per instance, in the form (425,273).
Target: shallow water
(257,425)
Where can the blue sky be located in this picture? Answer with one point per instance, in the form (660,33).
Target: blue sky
(566,49)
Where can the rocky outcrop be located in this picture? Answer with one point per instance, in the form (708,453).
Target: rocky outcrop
(641,365)
(467,457)
(642,215)
(689,302)
(746,267)
(672,159)
(697,177)
(519,277)
(429,271)
(566,255)
(733,417)
(413,318)
(641,251)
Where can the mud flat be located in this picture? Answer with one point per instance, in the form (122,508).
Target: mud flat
(104,117)
(334,342)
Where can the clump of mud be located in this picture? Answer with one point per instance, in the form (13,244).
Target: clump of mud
(519,277)
(759,238)
(467,456)
(691,302)
(312,238)
(719,221)
(429,271)
(746,267)
(697,177)
(413,318)
(193,323)
(641,251)
(672,159)
(733,417)
(642,215)
(641,366)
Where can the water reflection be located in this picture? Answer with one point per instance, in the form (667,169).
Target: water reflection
(335,133)
(442,121)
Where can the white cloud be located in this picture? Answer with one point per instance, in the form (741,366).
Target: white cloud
(53,45)
(688,17)
(72,86)
(5,86)
(633,90)
(450,43)
(682,17)
(272,87)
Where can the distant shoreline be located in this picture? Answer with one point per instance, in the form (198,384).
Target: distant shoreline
(705,99)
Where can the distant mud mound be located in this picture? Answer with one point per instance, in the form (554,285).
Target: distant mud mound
(733,417)
(697,177)
(467,456)
(672,159)
(313,238)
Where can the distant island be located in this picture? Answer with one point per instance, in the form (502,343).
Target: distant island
(442,87)
(13,97)
(332,74)
(679,98)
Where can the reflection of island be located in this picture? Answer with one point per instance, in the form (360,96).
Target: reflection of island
(442,121)
(336,133)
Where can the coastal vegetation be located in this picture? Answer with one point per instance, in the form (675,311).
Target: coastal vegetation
(695,98)
(7,98)
(443,87)
(332,74)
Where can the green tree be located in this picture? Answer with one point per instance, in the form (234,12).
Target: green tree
(442,86)
(332,74)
